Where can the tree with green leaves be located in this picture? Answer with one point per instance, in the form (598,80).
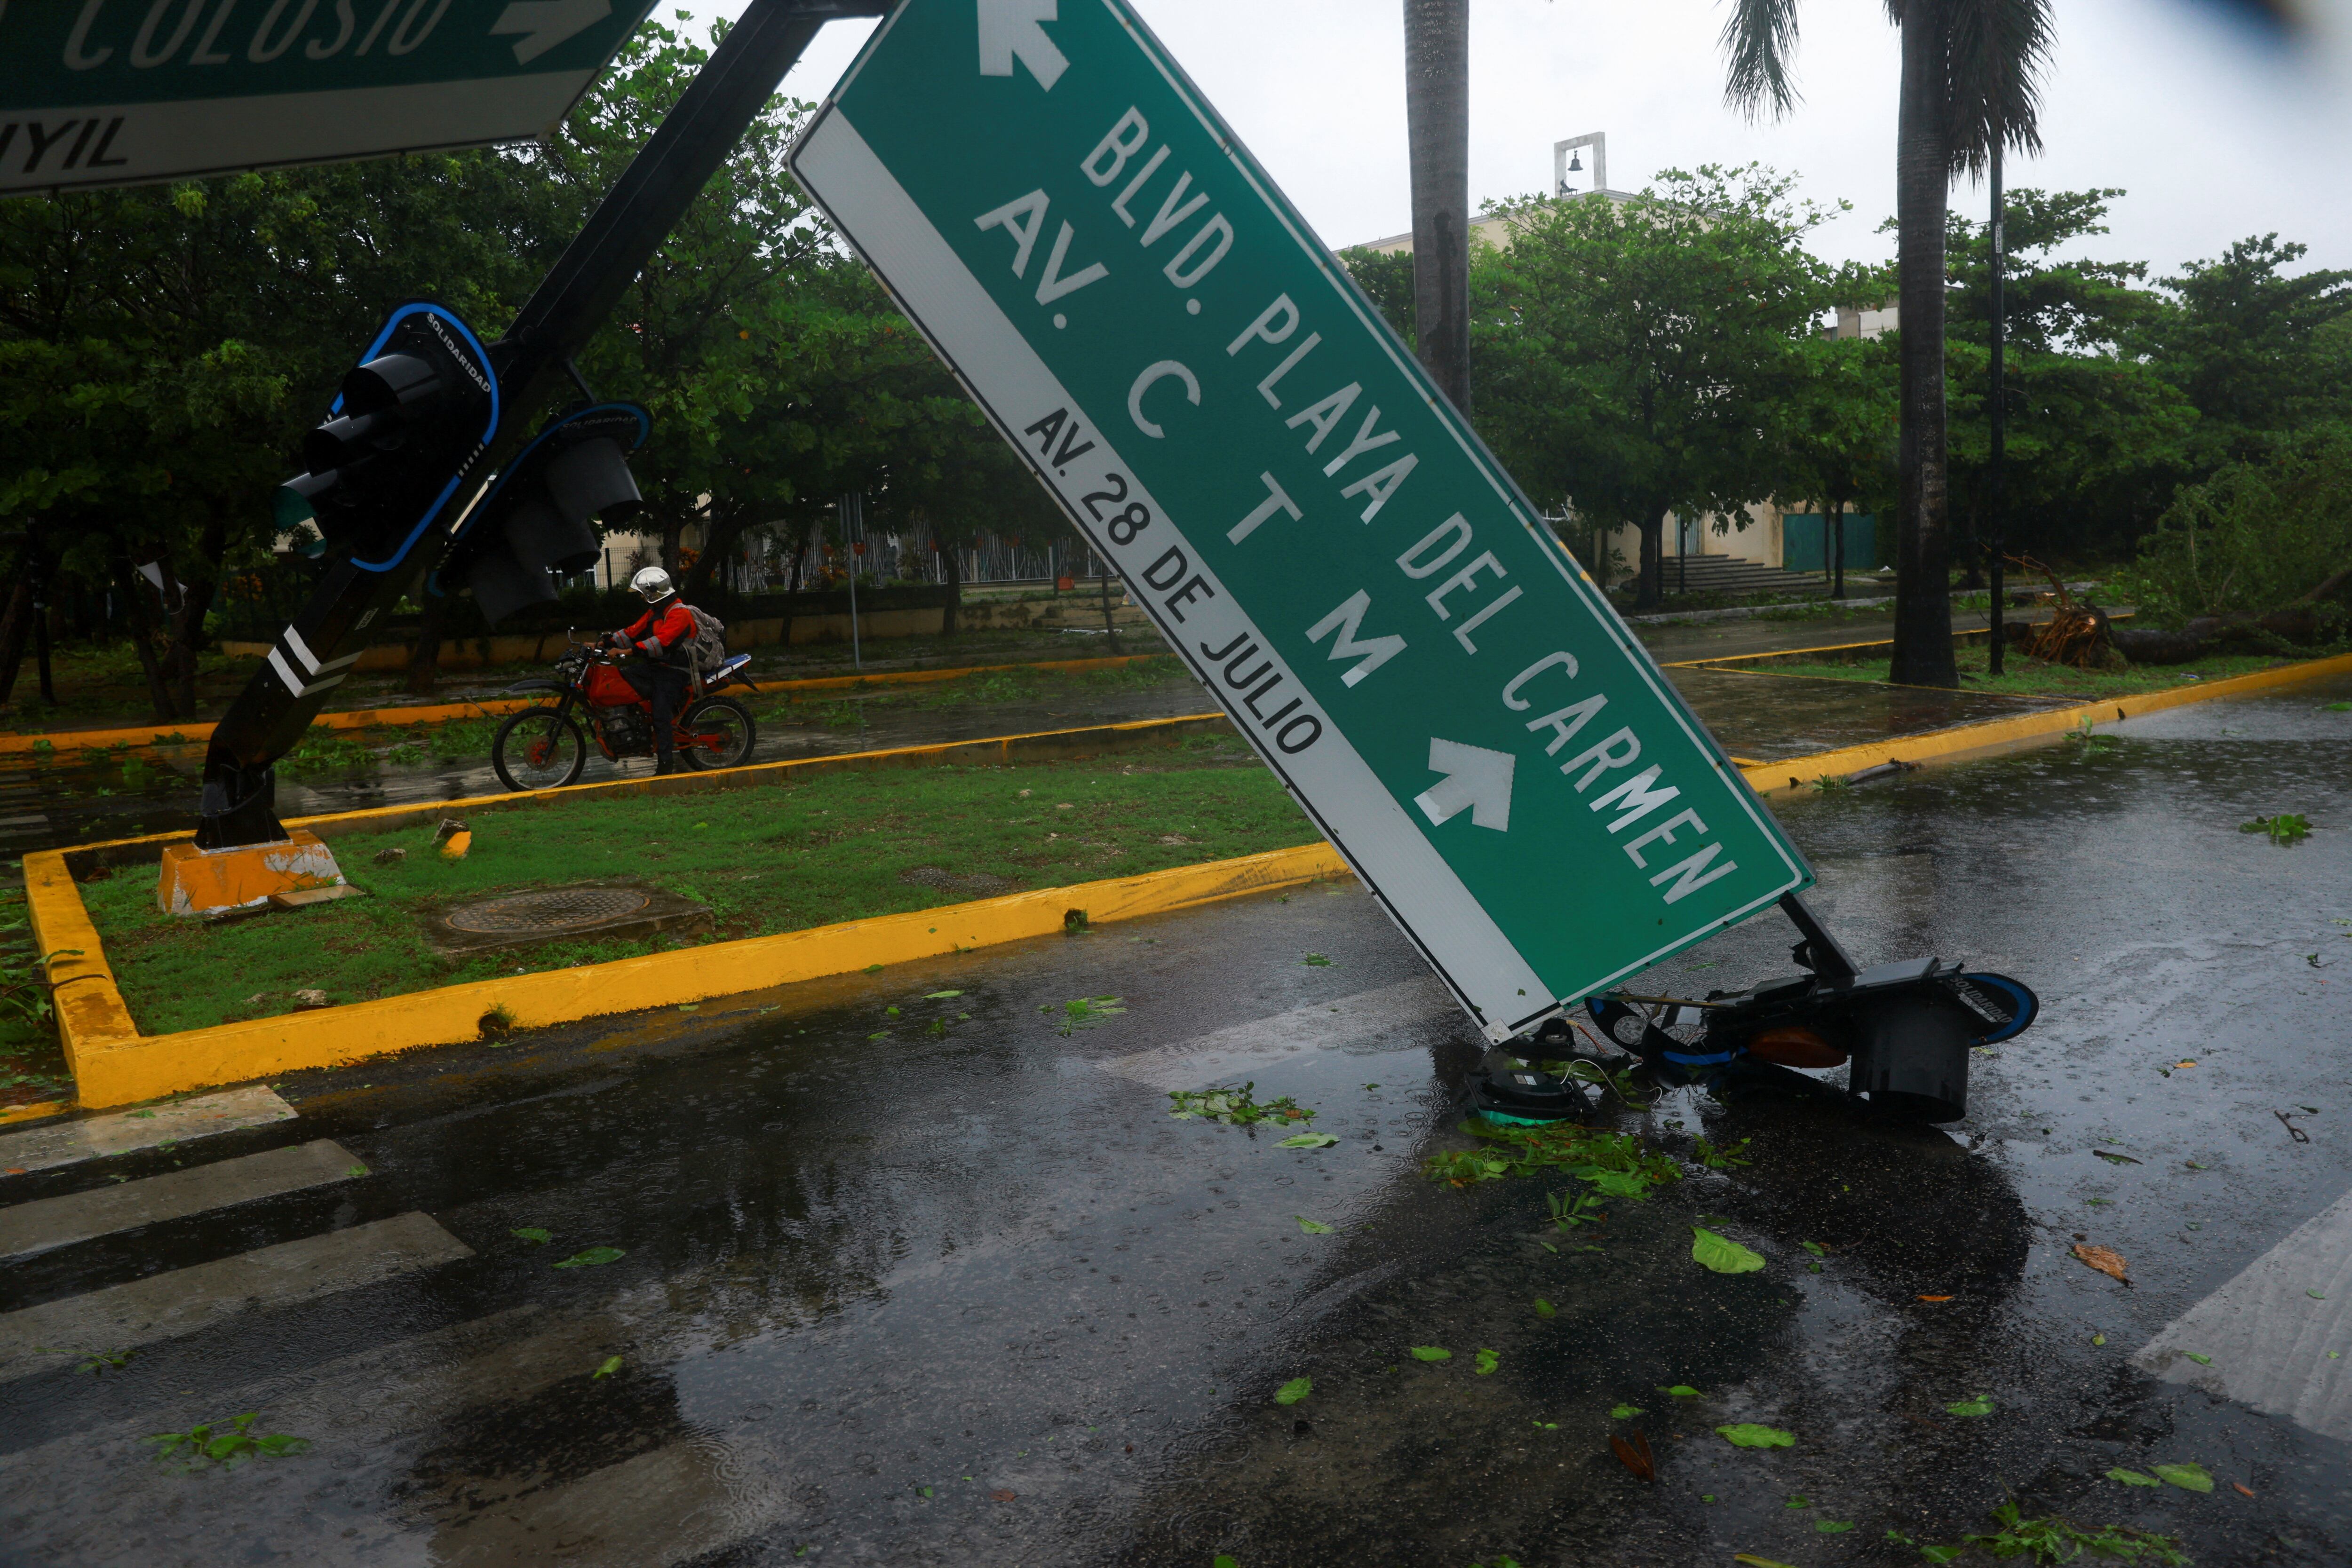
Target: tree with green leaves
(2262,354)
(1637,359)
(1838,433)
(1970,78)
(2097,437)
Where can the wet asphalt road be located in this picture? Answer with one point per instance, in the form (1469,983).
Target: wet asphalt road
(922,1287)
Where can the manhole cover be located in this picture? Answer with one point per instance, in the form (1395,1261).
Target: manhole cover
(543,912)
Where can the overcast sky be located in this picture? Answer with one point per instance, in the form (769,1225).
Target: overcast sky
(2214,132)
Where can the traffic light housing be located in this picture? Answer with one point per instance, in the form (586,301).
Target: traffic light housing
(411,418)
(537,520)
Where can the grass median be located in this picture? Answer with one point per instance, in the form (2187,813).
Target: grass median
(777,858)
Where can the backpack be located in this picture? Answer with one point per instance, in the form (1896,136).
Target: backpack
(708,644)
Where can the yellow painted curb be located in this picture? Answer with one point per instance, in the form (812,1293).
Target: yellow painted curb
(1969,739)
(443,713)
(34,1112)
(114,1065)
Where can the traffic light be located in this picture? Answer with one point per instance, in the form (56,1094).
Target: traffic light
(538,516)
(412,417)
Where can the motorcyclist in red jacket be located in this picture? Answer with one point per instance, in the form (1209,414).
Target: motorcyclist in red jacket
(664,636)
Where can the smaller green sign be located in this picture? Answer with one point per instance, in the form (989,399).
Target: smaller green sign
(122,92)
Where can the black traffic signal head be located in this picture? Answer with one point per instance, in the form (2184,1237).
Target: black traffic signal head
(537,518)
(412,419)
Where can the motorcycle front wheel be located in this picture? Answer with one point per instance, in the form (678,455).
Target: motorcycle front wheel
(720,733)
(539,749)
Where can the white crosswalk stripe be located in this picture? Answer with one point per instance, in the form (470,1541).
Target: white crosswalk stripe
(48,1222)
(49,1145)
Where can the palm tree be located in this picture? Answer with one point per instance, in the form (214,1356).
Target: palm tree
(1437,127)
(1971,77)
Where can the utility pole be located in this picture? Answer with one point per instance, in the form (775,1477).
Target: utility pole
(1994,544)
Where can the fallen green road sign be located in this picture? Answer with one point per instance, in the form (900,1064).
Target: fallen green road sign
(115,92)
(1230,423)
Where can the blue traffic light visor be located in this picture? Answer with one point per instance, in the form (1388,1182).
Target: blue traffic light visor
(490,429)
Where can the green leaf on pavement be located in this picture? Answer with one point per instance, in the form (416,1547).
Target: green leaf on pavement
(592,1257)
(1832,1526)
(1941,1553)
(1312,1227)
(1748,1435)
(1432,1353)
(1799,1500)
(2187,1478)
(1624,1412)
(1545,1309)
(1223,1561)
(1980,1406)
(940,995)
(1722,1254)
(1815,1247)
(612,1364)
(532,1234)
(2132,1477)
(2199,1360)
(1292,1391)
(1680,1391)
(1487,1361)
(1308,1141)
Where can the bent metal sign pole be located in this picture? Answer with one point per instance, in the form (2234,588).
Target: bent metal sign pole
(117,92)
(1228,420)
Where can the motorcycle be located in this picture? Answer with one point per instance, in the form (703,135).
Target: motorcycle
(544,749)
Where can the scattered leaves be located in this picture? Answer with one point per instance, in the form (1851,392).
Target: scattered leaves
(1432,1353)
(1488,1361)
(532,1234)
(211,1443)
(1832,1526)
(1316,961)
(1308,1141)
(1635,1456)
(2283,828)
(2106,1259)
(1624,1412)
(612,1364)
(1679,1391)
(2052,1540)
(2186,1477)
(2115,1159)
(1980,1406)
(591,1257)
(1292,1391)
(1748,1435)
(1313,1227)
(2132,1477)
(1722,1254)
(1085,1012)
(1614,1162)
(1235,1107)
(1544,1308)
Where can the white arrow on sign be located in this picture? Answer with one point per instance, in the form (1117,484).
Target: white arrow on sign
(1008,27)
(1476,778)
(549,23)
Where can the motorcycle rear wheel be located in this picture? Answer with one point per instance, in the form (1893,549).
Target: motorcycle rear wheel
(539,749)
(723,734)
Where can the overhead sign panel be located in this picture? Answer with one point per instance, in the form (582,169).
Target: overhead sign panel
(120,92)
(1311,525)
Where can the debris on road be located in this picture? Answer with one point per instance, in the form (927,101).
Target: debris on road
(2106,1259)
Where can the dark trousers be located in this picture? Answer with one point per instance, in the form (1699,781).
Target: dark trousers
(665,686)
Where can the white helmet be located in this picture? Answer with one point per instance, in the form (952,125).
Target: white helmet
(652,585)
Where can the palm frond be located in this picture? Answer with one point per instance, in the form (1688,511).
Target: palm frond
(1759,47)
(1996,54)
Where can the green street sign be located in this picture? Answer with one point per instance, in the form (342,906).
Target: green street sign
(122,92)
(1227,419)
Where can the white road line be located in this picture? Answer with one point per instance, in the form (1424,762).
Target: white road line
(677,1502)
(36,1227)
(2267,1333)
(1317,1026)
(165,1306)
(70,1142)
